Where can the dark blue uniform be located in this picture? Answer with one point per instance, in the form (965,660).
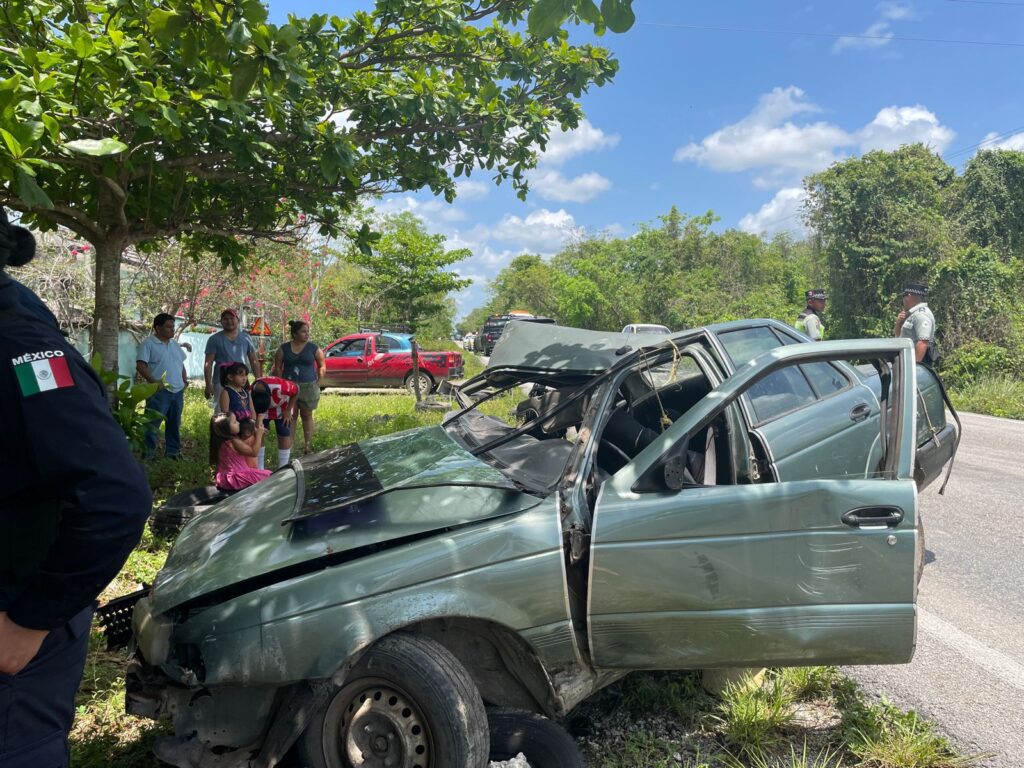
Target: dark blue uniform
(73,501)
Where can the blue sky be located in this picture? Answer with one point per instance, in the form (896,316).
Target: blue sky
(731,119)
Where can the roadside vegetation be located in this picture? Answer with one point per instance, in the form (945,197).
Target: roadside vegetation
(794,718)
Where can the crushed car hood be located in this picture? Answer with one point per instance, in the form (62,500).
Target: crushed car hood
(330,508)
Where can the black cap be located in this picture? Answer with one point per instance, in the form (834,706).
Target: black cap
(17,246)
(816,293)
(916,289)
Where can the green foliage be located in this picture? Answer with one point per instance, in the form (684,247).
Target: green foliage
(972,361)
(804,758)
(407,265)
(677,693)
(995,394)
(129,123)
(679,273)
(752,717)
(880,222)
(809,682)
(882,736)
(126,396)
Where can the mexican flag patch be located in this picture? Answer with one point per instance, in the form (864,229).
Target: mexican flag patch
(42,371)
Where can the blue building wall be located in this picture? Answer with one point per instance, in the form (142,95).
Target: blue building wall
(127,347)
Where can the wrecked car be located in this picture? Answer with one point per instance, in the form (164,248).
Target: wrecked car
(724,496)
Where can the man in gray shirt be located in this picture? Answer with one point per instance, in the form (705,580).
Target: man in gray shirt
(230,345)
(160,359)
(916,322)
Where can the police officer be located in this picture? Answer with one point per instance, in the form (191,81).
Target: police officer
(809,321)
(917,323)
(73,501)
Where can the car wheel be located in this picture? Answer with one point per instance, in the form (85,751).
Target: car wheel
(408,703)
(544,743)
(426,384)
(168,521)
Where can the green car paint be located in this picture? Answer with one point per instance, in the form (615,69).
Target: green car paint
(566,590)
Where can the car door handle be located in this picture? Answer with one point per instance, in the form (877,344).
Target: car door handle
(871,517)
(860,412)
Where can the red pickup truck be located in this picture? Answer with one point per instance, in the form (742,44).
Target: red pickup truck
(372,360)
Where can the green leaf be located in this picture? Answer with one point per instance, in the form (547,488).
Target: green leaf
(170,115)
(13,145)
(587,10)
(166,25)
(52,127)
(243,77)
(30,192)
(546,17)
(96,147)
(618,14)
(81,40)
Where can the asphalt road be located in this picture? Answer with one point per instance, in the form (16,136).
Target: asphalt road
(968,671)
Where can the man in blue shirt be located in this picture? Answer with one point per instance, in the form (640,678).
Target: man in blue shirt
(161,360)
(73,502)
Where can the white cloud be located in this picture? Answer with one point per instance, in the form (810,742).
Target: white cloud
(878,34)
(563,145)
(896,126)
(773,142)
(780,214)
(542,231)
(473,190)
(993,141)
(553,185)
(767,138)
(432,212)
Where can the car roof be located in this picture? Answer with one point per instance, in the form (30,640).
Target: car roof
(562,349)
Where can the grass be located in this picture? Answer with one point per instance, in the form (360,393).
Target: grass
(807,717)
(995,395)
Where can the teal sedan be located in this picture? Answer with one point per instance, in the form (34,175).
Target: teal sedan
(724,496)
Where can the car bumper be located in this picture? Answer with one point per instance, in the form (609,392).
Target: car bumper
(456,373)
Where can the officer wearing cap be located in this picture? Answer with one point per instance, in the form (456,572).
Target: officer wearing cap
(917,323)
(73,502)
(809,321)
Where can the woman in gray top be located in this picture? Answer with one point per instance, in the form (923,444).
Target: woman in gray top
(302,361)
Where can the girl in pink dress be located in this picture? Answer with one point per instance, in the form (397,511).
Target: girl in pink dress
(230,452)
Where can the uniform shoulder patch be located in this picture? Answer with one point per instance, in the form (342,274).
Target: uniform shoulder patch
(42,371)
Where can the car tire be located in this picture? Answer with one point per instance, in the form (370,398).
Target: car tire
(543,742)
(408,701)
(426,384)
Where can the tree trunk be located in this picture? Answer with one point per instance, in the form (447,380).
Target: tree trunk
(106,319)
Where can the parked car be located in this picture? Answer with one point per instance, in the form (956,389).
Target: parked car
(385,360)
(645,328)
(728,497)
(495,324)
(469,341)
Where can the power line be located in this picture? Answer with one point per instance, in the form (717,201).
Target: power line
(832,36)
(987,140)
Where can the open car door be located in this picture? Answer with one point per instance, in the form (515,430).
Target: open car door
(809,571)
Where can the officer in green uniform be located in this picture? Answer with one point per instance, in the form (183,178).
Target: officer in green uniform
(917,323)
(809,321)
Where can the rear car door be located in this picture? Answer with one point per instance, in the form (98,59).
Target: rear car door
(346,363)
(816,419)
(804,571)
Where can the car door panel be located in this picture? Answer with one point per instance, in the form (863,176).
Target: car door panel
(762,573)
(753,573)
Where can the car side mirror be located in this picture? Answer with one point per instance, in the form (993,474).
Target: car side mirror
(668,473)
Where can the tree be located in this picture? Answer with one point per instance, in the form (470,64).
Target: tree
(988,202)
(408,269)
(880,221)
(134,122)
